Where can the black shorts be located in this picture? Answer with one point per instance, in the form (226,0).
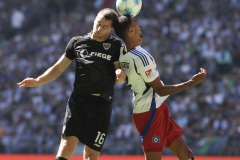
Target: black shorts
(88,118)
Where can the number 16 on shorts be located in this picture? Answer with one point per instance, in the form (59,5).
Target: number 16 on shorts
(99,139)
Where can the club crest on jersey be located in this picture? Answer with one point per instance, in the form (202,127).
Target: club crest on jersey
(106,46)
(149,73)
(156,139)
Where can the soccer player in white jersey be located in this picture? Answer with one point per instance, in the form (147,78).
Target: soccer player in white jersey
(150,115)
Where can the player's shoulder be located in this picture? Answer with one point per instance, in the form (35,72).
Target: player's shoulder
(115,39)
(138,52)
(141,56)
(81,38)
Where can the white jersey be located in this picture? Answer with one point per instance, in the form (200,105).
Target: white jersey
(140,68)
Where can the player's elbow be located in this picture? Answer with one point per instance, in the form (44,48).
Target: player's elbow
(161,92)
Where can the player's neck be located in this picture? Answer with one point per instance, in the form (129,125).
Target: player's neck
(130,44)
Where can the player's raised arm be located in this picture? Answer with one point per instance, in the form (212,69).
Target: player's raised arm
(49,75)
(164,90)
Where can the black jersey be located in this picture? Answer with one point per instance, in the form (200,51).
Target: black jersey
(95,72)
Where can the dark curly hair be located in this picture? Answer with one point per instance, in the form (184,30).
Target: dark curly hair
(122,25)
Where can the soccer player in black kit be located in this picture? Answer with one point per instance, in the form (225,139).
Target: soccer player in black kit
(88,110)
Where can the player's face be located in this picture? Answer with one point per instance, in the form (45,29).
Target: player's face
(101,28)
(137,31)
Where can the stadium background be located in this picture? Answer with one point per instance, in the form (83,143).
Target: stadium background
(182,36)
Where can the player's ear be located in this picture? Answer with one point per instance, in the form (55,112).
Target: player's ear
(130,29)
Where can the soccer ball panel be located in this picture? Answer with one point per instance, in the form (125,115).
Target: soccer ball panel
(131,7)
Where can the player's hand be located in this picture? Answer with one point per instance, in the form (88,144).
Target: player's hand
(120,76)
(200,76)
(28,82)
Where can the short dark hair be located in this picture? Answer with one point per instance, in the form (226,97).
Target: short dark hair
(122,26)
(109,14)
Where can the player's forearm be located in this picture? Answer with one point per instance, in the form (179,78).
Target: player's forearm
(173,89)
(49,75)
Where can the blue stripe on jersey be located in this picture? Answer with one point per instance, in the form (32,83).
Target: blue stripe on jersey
(141,55)
(150,121)
(147,88)
(135,67)
(150,56)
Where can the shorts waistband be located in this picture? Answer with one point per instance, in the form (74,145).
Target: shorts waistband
(104,96)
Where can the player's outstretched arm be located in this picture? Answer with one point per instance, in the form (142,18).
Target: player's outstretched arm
(49,75)
(164,90)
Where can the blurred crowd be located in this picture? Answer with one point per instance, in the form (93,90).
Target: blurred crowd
(183,36)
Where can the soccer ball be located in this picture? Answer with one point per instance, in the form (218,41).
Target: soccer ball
(131,7)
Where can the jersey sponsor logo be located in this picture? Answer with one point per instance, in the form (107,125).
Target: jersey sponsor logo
(156,139)
(124,65)
(102,55)
(83,53)
(149,73)
(106,46)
